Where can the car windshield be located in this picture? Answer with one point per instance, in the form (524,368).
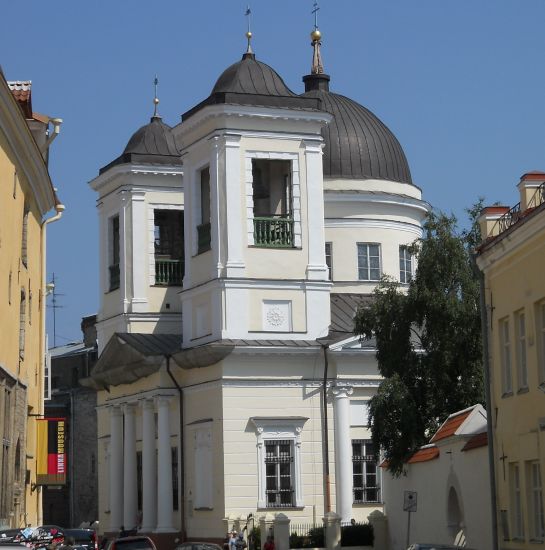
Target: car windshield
(136,544)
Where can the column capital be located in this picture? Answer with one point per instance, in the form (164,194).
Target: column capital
(162,400)
(129,408)
(115,410)
(147,404)
(341,390)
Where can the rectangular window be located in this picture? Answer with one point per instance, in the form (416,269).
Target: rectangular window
(139,493)
(114,253)
(279,474)
(203,227)
(405,265)
(24,237)
(505,354)
(522,369)
(273,203)
(540,318)
(516,502)
(535,501)
(329,259)
(47,373)
(364,472)
(168,232)
(175,491)
(22,324)
(369,262)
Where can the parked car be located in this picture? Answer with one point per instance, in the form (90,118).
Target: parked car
(82,537)
(9,535)
(429,546)
(198,546)
(131,543)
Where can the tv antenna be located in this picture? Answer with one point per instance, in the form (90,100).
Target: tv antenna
(51,289)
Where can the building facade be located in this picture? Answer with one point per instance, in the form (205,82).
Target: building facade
(511,258)
(76,502)
(26,196)
(264,219)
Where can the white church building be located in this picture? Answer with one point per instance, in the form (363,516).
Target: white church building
(235,248)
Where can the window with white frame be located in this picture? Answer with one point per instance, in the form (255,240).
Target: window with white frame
(516,502)
(279,471)
(405,265)
(520,330)
(329,259)
(203,226)
(540,318)
(369,262)
(505,354)
(113,263)
(535,501)
(365,476)
(279,462)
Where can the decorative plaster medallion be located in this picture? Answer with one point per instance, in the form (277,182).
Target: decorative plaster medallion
(275,317)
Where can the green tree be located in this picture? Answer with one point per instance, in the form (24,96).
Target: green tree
(428,340)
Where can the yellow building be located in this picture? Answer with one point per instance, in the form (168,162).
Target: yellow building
(26,196)
(512,259)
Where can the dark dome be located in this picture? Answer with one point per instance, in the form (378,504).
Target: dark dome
(150,144)
(250,82)
(357,144)
(249,76)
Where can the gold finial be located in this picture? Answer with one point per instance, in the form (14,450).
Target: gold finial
(155,99)
(316,36)
(249,35)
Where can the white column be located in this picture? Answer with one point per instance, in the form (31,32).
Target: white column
(164,486)
(116,469)
(343,450)
(216,221)
(139,235)
(149,468)
(130,502)
(236,219)
(124,263)
(316,268)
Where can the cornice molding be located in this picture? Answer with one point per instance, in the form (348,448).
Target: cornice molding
(25,150)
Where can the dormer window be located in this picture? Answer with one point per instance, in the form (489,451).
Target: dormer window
(168,229)
(273,203)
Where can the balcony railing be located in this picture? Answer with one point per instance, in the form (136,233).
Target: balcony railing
(513,215)
(169,272)
(273,232)
(203,241)
(114,276)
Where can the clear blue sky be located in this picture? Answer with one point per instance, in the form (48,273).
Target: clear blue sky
(461,84)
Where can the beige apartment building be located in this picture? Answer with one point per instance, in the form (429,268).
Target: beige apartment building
(512,258)
(26,196)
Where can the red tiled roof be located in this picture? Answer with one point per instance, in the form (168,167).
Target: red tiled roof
(449,427)
(533,175)
(479,440)
(22,92)
(424,455)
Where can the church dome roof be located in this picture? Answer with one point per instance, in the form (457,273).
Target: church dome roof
(358,144)
(251,82)
(150,144)
(249,76)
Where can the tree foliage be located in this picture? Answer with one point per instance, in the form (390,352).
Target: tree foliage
(428,341)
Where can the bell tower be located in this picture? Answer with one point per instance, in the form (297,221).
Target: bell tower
(254,218)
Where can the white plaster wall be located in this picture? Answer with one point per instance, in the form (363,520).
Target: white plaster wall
(432,480)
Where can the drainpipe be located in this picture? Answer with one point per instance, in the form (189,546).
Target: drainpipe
(325,435)
(488,398)
(182,451)
(59,210)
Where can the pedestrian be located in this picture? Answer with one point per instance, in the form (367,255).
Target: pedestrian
(269,544)
(233,540)
(240,543)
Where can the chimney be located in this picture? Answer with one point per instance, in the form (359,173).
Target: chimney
(488,220)
(528,187)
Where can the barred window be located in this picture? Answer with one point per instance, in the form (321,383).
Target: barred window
(279,473)
(365,472)
(329,259)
